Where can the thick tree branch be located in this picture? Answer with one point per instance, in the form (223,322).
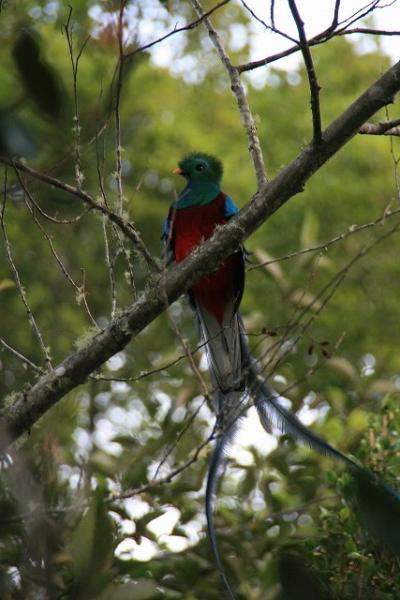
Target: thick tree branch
(30,405)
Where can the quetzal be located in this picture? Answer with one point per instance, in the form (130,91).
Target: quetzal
(200,208)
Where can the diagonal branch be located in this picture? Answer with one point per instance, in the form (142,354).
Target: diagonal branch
(320,38)
(31,404)
(240,95)
(176,29)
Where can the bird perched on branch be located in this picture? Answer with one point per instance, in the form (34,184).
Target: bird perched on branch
(200,208)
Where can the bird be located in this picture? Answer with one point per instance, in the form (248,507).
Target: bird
(198,211)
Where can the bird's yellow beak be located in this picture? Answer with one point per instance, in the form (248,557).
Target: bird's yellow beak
(177,171)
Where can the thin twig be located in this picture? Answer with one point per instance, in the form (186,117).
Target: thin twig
(176,30)
(74,65)
(110,269)
(320,38)
(168,478)
(20,287)
(80,290)
(189,356)
(335,18)
(272,13)
(311,74)
(151,372)
(395,160)
(241,99)
(120,70)
(328,290)
(56,220)
(125,226)
(21,357)
(179,436)
(82,298)
(324,245)
(264,24)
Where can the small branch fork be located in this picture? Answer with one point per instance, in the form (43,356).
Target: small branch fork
(312,77)
(240,95)
(335,29)
(74,65)
(32,205)
(127,228)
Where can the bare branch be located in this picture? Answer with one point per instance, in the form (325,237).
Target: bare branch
(168,478)
(120,70)
(264,24)
(335,19)
(171,447)
(74,65)
(31,205)
(110,268)
(272,13)
(20,287)
(151,372)
(325,245)
(188,27)
(240,95)
(322,298)
(320,38)
(383,128)
(20,356)
(368,31)
(127,228)
(312,77)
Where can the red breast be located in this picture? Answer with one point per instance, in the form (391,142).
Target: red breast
(191,226)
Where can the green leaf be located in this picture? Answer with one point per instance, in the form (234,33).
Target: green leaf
(40,80)
(92,548)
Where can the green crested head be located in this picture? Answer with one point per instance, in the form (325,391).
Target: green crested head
(200,167)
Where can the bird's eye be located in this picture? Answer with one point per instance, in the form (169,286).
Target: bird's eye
(200,167)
